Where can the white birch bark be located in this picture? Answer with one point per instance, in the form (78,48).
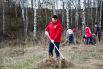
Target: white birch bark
(100,13)
(26,23)
(83,17)
(34,4)
(67,14)
(4,31)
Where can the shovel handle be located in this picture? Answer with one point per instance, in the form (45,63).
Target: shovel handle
(56,48)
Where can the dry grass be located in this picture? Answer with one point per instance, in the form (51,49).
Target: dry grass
(54,64)
(27,56)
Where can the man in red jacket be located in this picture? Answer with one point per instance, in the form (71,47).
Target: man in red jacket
(54,30)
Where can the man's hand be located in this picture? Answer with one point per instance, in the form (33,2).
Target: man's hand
(52,41)
(46,33)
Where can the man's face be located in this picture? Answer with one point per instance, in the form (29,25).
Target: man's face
(54,20)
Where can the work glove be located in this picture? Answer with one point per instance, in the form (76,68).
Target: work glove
(52,41)
(46,33)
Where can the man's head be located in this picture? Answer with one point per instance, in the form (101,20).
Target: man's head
(54,18)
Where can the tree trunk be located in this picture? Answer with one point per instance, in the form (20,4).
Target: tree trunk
(32,12)
(88,13)
(54,10)
(79,14)
(67,15)
(26,20)
(83,17)
(100,13)
(91,12)
(76,17)
(63,13)
(4,31)
(34,32)
(23,13)
(46,15)
(16,14)
(96,13)
(71,14)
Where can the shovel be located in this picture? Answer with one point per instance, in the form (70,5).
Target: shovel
(63,60)
(56,48)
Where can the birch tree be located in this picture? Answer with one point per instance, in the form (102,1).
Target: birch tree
(91,15)
(26,23)
(4,29)
(79,14)
(16,11)
(100,13)
(76,5)
(83,16)
(96,10)
(71,12)
(76,14)
(63,12)
(67,13)
(34,9)
(23,15)
(53,7)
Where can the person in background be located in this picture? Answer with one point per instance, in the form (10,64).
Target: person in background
(98,32)
(54,30)
(70,36)
(88,35)
(75,34)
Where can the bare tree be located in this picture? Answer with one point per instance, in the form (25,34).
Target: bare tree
(26,20)
(101,12)
(62,12)
(91,14)
(53,5)
(76,14)
(96,10)
(24,7)
(4,30)
(23,15)
(16,11)
(79,10)
(83,16)
(67,13)
(34,8)
(71,11)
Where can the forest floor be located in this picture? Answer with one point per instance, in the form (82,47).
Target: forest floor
(27,56)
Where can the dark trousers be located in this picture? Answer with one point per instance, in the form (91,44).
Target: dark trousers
(98,33)
(99,38)
(51,47)
(71,38)
(88,40)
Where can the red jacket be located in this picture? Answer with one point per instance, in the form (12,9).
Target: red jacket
(74,30)
(55,31)
(87,32)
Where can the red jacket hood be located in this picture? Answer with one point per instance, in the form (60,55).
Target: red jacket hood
(87,32)
(57,22)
